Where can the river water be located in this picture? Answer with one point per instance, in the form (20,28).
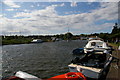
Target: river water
(43,60)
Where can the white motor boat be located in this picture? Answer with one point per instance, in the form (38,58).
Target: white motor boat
(92,65)
(36,41)
(96,61)
(98,46)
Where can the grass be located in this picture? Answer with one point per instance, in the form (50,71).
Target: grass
(115,44)
(16,41)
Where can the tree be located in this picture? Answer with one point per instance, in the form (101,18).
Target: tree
(115,34)
(68,35)
(115,29)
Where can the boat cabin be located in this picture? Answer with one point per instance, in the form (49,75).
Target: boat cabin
(97,45)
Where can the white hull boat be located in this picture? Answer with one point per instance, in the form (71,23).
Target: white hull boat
(97,46)
(92,65)
(36,41)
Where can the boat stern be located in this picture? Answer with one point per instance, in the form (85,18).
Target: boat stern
(87,71)
(73,68)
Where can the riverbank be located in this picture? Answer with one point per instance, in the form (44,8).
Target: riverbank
(115,44)
(16,41)
(19,41)
(114,69)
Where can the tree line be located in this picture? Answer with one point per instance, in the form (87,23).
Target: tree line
(113,37)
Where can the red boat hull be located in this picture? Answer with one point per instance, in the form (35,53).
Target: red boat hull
(67,76)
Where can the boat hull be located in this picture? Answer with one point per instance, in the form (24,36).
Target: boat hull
(91,72)
(88,72)
(68,76)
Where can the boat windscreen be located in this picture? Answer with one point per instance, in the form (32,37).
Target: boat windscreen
(98,44)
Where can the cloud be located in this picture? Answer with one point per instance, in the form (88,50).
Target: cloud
(26,10)
(10,9)
(38,5)
(52,0)
(47,21)
(48,11)
(92,0)
(32,6)
(108,11)
(10,3)
(101,1)
(1,15)
(62,5)
(73,4)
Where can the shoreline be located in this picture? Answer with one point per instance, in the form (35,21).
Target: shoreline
(114,72)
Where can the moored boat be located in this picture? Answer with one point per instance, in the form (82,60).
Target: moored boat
(36,41)
(68,76)
(93,65)
(97,46)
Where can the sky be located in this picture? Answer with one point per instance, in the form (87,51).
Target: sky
(50,18)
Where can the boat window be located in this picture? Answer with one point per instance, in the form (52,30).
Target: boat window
(98,44)
(93,44)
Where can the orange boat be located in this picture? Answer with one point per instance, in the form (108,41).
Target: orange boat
(67,76)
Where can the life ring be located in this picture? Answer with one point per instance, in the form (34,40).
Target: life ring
(75,76)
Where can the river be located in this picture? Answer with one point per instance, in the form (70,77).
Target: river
(43,60)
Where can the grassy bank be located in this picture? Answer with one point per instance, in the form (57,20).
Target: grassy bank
(115,44)
(16,41)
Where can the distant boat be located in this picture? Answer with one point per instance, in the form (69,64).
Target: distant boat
(36,41)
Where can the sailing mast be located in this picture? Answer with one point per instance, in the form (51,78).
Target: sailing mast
(68,34)
(68,29)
